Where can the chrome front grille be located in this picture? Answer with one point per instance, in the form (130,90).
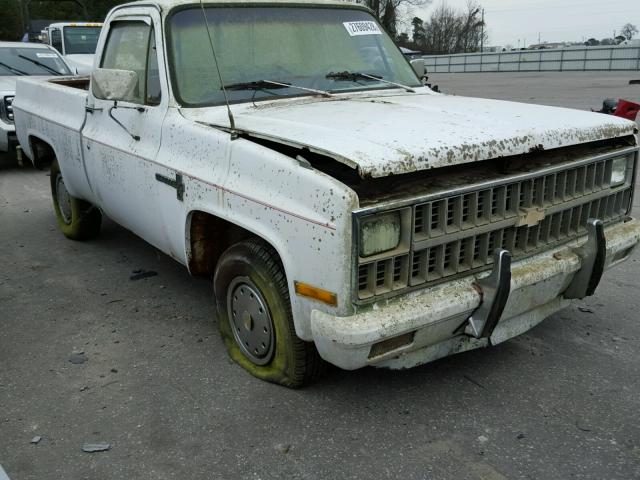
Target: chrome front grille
(456,232)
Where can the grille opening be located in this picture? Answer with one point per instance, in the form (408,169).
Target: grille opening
(537,195)
(496,201)
(451,212)
(581,175)
(416,263)
(397,270)
(476,247)
(431,266)
(595,206)
(590,179)
(363,277)
(400,272)
(599,174)
(419,218)
(570,185)
(380,274)
(466,208)
(448,252)
(509,198)
(524,188)
(435,215)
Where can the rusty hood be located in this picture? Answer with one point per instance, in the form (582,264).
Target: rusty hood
(392,133)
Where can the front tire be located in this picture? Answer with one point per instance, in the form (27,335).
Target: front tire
(77,219)
(255,319)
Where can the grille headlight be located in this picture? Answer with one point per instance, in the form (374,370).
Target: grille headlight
(379,233)
(618,171)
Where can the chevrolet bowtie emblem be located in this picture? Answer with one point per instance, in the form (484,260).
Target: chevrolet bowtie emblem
(530,217)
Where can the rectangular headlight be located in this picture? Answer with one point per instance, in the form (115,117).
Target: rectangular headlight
(618,171)
(379,233)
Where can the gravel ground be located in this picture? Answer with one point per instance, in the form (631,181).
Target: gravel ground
(560,402)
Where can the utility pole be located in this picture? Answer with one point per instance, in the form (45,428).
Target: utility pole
(539,42)
(482,33)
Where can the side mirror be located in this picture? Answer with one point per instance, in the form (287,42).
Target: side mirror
(418,66)
(117,85)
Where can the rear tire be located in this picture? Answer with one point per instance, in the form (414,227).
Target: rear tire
(260,337)
(77,219)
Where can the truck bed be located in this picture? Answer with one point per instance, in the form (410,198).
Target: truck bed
(54,110)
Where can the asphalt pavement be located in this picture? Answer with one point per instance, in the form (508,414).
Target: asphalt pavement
(90,356)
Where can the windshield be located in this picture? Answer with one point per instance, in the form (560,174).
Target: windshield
(31,61)
(81,40)
(297,46)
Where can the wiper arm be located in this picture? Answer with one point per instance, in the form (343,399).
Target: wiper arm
(257,85)
(12,69)
(353,76)
(40,64)
(271,84)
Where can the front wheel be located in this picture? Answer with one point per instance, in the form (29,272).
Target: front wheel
(77,219)
(255,320)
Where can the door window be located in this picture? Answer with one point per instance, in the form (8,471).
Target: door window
(131,46)
(56,40)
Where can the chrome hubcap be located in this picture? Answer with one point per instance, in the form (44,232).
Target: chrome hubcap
(250,321)
(64,200)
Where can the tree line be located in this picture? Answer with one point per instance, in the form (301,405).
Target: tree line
(13,13)
(447,30)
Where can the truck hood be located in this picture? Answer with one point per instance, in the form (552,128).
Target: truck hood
(8,84)
(392,133)
(83,62)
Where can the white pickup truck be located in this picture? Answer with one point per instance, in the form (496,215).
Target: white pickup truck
(76,42)
(345,211)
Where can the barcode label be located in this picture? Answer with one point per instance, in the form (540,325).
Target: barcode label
(362,28)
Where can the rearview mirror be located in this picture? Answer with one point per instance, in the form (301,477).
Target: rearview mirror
(117,85)
(418,66)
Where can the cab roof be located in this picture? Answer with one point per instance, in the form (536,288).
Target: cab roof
(166,5)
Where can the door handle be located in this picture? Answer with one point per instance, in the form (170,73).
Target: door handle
(178,184)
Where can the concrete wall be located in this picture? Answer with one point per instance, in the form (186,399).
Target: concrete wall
(556,60)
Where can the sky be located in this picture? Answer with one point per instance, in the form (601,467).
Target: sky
(555,20)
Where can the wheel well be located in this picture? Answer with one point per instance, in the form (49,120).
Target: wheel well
(209,237)
(43,154)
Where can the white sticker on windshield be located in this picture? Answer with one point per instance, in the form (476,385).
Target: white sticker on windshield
(46,55)
(362,28)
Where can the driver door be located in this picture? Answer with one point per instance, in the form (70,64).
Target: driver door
(121,140)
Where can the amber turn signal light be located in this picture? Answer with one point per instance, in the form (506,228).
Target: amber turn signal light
(309,291)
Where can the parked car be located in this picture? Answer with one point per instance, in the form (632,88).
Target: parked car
(19,60)
(345,211)
(76,42)
(411,54)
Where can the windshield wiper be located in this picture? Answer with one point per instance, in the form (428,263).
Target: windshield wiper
(271,84)
(40,64)
(13,69)
(354,76)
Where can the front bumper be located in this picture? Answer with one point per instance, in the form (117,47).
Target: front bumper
(431,320)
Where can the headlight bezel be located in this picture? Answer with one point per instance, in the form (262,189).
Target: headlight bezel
(398,247)
(624,169)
